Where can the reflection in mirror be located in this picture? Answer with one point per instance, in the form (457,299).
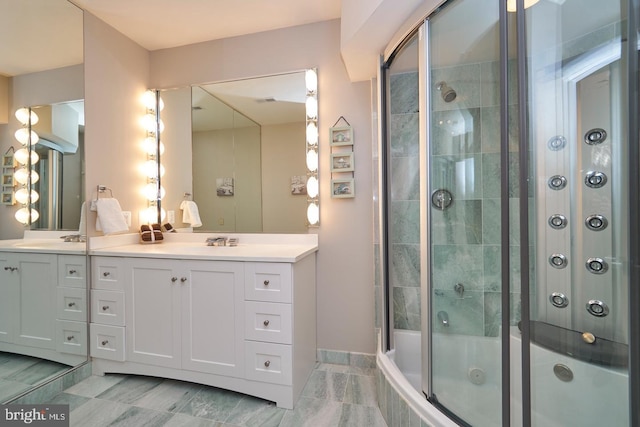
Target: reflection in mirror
(246,154)
(43,321)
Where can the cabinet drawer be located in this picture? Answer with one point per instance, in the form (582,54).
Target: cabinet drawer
(72,304)
(107,307)
(107,342)
(72,271)
(108,273)
(269,282)
(71,337)
(266,362)
(267,321)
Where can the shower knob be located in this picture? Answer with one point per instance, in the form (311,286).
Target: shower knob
(441,199)
(557,182)
(597,265)
(557,221)
(595,136)
(558,261)
(558,299)
(596,222)
(557,143)
(595,179)
(597,308)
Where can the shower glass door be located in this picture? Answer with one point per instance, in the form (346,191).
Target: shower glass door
(578,214)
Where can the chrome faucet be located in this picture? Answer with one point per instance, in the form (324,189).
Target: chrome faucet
(74,238)
(443,317)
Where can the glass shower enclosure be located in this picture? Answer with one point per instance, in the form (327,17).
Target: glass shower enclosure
(510,167)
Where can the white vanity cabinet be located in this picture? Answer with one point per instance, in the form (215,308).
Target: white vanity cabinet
(43,305)
(207,321)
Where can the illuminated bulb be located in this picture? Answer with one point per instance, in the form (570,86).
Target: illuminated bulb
(312,186)
(150,191)
(511,4)
(22,215)
(22,135)
(312,160)
(22,176)
(22,196)
(22,115)
(313,214)
(150,169)
(149,122)
(312,107)
(149,146)
(22,156)
(312,134)
(311,80)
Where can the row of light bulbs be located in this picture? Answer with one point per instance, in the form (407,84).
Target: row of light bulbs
(153,169)
(313,186)
(25,175)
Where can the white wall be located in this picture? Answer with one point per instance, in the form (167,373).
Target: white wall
(345,260)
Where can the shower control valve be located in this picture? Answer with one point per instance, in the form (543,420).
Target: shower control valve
(596,222)
(559,300)
(597,265)
(557,182)
(557,221)
(595,179)
(558,261)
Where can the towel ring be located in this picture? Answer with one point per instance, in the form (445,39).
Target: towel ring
(102,189)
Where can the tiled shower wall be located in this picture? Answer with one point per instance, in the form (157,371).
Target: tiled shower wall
(465,237)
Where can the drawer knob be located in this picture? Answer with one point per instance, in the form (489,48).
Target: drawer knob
(71,304)
(72,271)
(266,283)
(266,323)
(12,269)
(105,307)
(174,279)
(267,363)
(105,342)
(106,274)
(183,279)
(71,337)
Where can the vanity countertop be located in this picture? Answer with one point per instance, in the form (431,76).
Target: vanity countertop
(43,242)
(260,248)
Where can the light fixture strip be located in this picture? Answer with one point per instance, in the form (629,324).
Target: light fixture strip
(312,148)
(158,162)
(26,174)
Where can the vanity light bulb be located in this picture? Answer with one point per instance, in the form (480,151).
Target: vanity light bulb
(22,156)
(150,191)
(22,135)
(22,215)
(313,214)
(23,114)
(149,122)
(312,134)
(312,187)
(511,4)
(149,100)
(150,169)
(311,80)
(312,160)
(312,107)
(150,146)
(22,196)
(22,176)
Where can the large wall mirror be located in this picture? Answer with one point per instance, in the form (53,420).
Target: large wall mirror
(237,150)
(41,67)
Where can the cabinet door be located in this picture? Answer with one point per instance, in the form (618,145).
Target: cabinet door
(212,317)
(38,277)
(152,304)
(8,296)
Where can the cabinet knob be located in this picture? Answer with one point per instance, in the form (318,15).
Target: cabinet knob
(72,271)
(267,363)
(174,279)
(105,342)
(106,274)
(105,307)
(71,337)
(266,283)
(183,279)
(71,304)
(266,323)
(7,268)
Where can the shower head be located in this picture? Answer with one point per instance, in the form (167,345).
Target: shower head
(446,92)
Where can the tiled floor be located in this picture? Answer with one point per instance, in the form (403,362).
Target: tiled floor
(335,395)
(19,373)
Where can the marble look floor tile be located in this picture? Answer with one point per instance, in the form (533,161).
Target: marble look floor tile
(181,420)
(358,415)
(74,401)
(11,365)
(331,367)
(326,385)
(37,372)
(169,396)
(130,389)
(141,417)
(95,384)
(361,390)
(310,412)
(212,403)
(11,389)
(254,412)
(97,413)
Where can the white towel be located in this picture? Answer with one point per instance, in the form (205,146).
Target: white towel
(190,214)
(110,219)
(82,227)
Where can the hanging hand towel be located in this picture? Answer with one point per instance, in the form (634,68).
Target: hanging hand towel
(190,214)
(82,227)
(110,219)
